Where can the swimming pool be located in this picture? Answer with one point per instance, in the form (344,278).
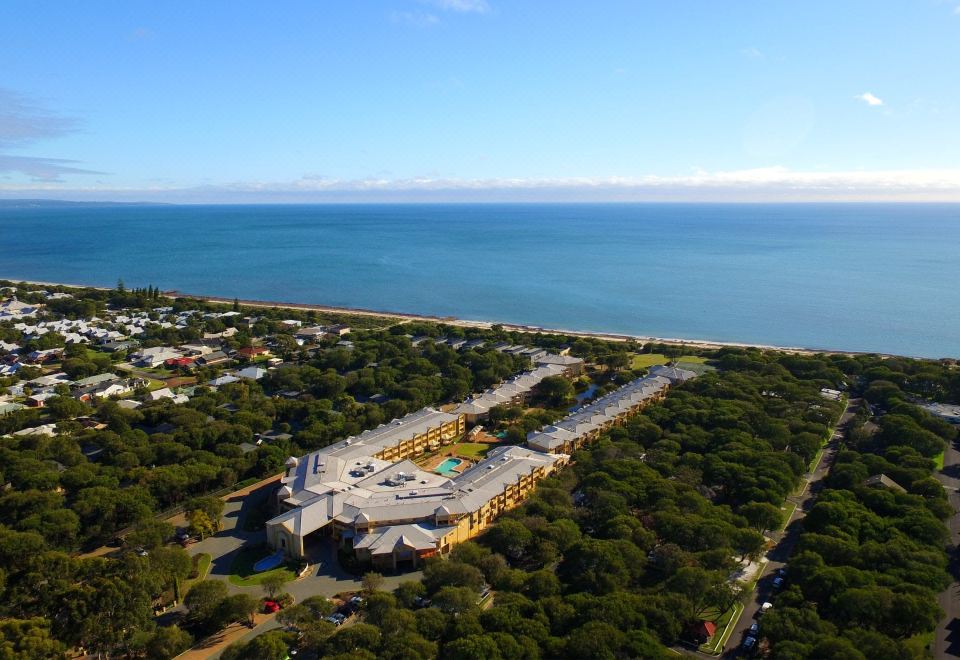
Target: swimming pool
(447,467)
(268,562)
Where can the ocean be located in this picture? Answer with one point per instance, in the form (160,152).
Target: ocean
(859,277)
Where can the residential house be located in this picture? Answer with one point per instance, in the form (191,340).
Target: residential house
(253,352)
(251,373)
(213,359)
(154,357)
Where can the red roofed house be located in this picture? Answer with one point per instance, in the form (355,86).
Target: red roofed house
(179,362)
(250,352)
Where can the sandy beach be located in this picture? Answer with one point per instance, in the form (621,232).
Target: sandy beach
(467,323)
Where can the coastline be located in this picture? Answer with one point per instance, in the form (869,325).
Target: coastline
(706,344)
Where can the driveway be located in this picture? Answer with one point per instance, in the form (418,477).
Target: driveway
(325,578)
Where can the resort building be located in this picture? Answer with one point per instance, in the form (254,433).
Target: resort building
(586,423)
(367,496)
(516,389)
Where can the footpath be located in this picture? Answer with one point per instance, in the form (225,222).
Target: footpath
(214,645)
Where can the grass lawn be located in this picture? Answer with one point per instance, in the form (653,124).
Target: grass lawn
(938,459)
(725,625)
(473,450)
(203,567)
(788,510)
(645,360)
(242,573)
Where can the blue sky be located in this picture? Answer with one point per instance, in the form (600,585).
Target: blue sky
(480,99)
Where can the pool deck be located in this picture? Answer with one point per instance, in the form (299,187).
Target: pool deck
(432,463)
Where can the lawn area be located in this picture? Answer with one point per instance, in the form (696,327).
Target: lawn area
(203,567)
(473,450)
(242,573)
(788,510)
(727,621)
(938,459)
(645,360)
(725,625)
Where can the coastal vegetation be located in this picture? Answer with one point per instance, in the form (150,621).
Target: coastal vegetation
(871,559)
(617,556)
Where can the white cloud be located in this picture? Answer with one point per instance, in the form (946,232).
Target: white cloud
(770,184)
(869,99)
(463,6)
(751,52)
(23,123)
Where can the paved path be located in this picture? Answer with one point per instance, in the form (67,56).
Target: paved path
(325,578)
(786,541)
(946,643)
(214,645)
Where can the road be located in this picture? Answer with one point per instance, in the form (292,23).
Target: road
(325,578)
(946,643)
(785,542)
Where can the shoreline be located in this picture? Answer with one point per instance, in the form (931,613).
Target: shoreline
(706,344)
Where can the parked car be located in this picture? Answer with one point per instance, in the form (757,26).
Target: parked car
(748,643)
(141,551)
(269,607)
(764,608)
(778,583)
(336,619)
(754,629)
(420,601)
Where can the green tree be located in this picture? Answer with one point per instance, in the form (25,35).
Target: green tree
(554,391)
(356,638)
(167,642)
(237,608)
(455,600)
(372,582)
(204,598)
(273,584)
(510,537)
(472,647)
(761,515)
